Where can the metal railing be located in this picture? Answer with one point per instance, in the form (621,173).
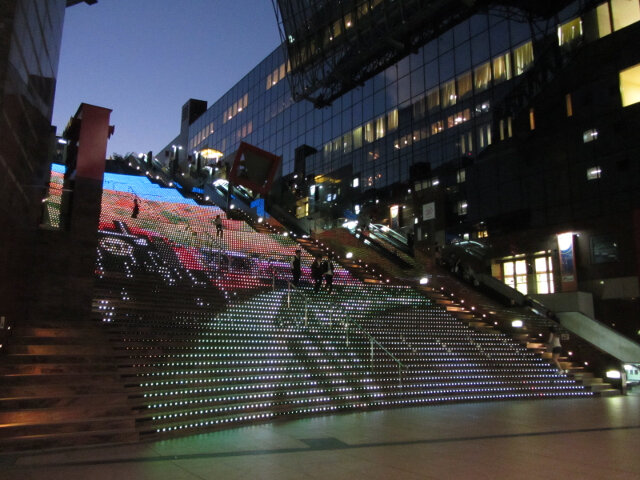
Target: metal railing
(349,322)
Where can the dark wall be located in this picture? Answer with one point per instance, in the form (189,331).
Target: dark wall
(30,38)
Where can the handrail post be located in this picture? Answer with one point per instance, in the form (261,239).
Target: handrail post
(306,310)
(371,344)
(346,326)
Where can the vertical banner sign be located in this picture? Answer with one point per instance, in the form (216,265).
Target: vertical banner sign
(567,262)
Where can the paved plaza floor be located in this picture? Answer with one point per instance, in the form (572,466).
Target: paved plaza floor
(588,438)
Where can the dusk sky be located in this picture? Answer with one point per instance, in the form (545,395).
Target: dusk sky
(145,58)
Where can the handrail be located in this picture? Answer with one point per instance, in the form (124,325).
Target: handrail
(371,338)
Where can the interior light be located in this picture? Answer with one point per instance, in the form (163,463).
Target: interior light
(424,281)
(613,374)
(517,324)
(349,255)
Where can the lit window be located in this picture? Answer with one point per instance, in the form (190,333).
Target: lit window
(502,68)
(523,58)
(449,93)
(461,175)
(568,105)
(570,31)
(392,120)
(380,127)
(544,275)
(461,207)
(603,17)
(464,85)
(356,182)
(590,135)
(625,12)
(483,107)
(532,119)
(515,275)
(433,98)
(437,127)
(630,85)
(483,234)
(482,76)
(369,132)
(594,173)
(357,137)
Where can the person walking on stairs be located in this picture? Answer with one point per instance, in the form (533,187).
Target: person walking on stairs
(555,347)
(316,274)
(296,269)
(327,271)
(218,223)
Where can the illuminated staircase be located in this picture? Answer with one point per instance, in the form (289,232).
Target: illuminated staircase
(191,332)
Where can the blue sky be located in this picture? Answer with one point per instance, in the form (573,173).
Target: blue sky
(145,58)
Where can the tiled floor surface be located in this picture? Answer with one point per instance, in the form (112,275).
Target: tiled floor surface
(595,438)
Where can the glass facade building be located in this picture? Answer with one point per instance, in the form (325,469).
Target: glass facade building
(493,128)
(30,38)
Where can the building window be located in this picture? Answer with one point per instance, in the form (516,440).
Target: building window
(433,99)
(625,12)
(392,120)
(369,132)
(594,173)
(483,234)
(544,275)
(514,274)
(590,135)
(461,175)
(357,137)
(437,127)
(449,94)
(568,103)
(462,207)
(355,183)
(465,86)
(604,249)
(630,85)
(380,127)
(569,32)
(482,76)
(484,136)
(502,68)
(458,118)
(523,58)
(603,17)
(532,119)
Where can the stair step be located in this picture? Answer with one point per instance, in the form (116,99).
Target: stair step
(40,442)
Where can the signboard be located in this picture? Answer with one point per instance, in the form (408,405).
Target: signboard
(567,262)
(429,211)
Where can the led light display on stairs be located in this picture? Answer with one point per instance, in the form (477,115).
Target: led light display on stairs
(208,334)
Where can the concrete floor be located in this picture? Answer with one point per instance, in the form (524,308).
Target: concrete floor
(591,438)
